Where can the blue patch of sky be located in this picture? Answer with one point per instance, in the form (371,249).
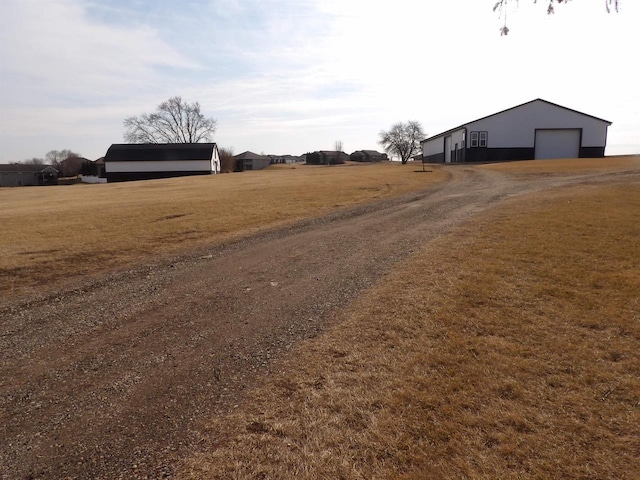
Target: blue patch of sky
(226,39)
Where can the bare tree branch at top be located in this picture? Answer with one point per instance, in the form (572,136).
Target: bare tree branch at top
(501,7)
(174,121)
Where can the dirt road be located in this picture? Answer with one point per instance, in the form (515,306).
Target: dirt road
(114,378)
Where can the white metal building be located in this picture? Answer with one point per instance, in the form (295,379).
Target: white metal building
(125,162)
(534,130)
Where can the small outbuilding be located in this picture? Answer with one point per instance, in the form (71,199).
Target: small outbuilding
(125,162)
(534,130)
(251,161)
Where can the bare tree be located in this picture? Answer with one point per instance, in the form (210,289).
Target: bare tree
(502,5)
(174,121)
(227,162)
(71,166)
(403,139)
(54,157)
(66,161)
(337,146)
(31,161)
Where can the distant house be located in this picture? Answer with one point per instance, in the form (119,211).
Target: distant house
(19,175)
(251,161)
(326,157)
(286,159)
(124,162)
(368,156)
(534,130)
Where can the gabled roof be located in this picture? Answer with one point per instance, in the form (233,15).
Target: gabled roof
(250,156)
(119,152)
(513,108)
(371,153)
(271,155)
(21,167)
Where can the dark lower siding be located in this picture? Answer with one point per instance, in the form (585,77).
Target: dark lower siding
(591,152)
(130,176)
(437,158)
(499,154)
(504,154)
(484,155)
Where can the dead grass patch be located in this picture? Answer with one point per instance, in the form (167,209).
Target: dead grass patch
(507,349)
(565,165)
(56,232)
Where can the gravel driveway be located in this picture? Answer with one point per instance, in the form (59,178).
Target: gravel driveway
(115,378)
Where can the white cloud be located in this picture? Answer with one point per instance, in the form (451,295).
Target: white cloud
(62,54)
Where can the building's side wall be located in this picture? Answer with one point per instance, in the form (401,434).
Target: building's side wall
(511,135)
(19,179)
(515,129)
(433,150)
(203,166)
(258,164)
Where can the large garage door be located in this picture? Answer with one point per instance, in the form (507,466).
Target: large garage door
(562,143)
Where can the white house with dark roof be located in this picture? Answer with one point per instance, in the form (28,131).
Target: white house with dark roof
(534,130)
(124,162)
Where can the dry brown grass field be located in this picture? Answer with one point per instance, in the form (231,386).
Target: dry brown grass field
(505,349)
(54,233)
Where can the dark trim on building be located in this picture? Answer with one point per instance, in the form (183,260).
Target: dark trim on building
(131,176)
(499,154)
(592,152)
(479,155)
(435,158)
(476,155)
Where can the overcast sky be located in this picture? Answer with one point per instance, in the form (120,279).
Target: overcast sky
(291,76)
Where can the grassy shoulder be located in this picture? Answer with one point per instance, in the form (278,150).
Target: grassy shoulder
(52,233)
(506,349)
(566,165)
